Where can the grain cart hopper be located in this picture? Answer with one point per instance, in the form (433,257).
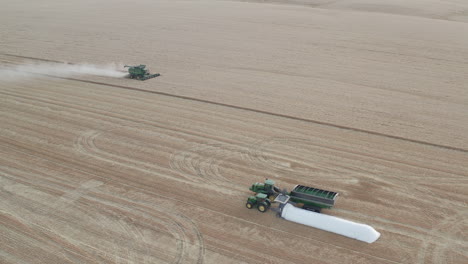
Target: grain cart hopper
(309,198)
(140,73)
(313,199)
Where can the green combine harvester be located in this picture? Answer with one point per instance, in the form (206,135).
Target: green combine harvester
(309,198)
(140,73)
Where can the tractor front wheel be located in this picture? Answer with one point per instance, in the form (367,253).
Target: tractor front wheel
(249,205)
(262,207)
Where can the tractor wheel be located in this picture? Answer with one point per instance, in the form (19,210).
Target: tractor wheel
(262,207)
(249,205)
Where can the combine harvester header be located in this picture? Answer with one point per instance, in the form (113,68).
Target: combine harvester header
(312,200)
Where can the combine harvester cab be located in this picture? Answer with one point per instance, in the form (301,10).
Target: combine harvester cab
(140,73)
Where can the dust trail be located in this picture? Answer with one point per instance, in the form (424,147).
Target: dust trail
(34,70)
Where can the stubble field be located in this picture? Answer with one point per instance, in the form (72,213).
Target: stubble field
(357,97)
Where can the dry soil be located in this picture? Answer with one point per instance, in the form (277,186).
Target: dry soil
(364,97)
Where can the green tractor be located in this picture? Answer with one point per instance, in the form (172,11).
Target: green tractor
(140,73)
(260,200)
(268,188)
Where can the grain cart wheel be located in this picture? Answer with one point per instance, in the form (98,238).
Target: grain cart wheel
(262,207)
(312,209)
(249,205)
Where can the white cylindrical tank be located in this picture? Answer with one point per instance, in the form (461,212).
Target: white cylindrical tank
(330,223)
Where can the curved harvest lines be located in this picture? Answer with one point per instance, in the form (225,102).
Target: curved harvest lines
(183,229)
(441,240)
(278,155)
(116,232)
(304,157)
(207,161)
(103,225)
(295,156)
(198,240)
(435,242)
(132,246)
(199,165)
(85,144)
(129,237)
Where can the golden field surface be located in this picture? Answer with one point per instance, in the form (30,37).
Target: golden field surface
(368,98)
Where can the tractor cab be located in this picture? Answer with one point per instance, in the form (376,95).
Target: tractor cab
(268,187)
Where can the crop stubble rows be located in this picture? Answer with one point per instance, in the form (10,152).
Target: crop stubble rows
(208,158)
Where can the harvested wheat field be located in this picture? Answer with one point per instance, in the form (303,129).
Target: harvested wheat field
(367,98)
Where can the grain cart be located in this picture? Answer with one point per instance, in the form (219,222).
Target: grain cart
(312,199)
(140,73)
(309,198)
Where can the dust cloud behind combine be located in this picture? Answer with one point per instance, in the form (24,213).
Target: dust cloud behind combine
(27,71)
(363,97)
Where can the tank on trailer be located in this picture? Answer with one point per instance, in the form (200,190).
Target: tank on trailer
(330,223)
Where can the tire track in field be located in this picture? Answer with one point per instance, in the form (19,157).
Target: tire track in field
(117,242)
(200,164)
(259,156)
(150,214)
(85,144)
(207,162)
(290,162)
(442,245)
(433,240)
(24,205)
(115,224)
(133,242)
(243,108)
(265,156)
(120,240)
(92,218)
(188,237)
(199,237)
(437,240)
(59,162)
